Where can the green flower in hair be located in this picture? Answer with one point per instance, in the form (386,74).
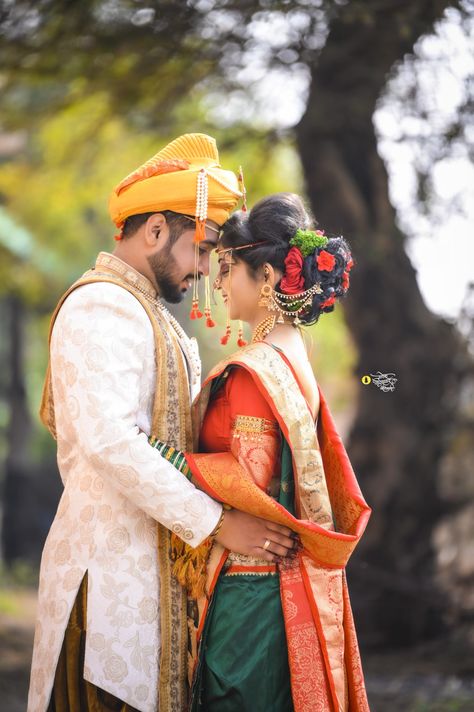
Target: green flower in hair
(308,240)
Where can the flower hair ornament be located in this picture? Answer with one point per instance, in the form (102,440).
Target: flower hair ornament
(292,300)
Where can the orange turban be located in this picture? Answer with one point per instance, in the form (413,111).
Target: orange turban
(174,179)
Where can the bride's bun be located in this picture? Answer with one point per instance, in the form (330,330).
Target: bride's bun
(271,224)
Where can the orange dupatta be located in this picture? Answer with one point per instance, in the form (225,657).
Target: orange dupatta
(325,666)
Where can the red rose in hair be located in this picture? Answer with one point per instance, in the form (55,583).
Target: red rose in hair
(345,281)
(292,281)
(325,261)
(329,301)
(349,265)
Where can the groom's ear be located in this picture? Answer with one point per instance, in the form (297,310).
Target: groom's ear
(156,230)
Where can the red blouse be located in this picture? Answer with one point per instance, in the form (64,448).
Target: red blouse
(239,419)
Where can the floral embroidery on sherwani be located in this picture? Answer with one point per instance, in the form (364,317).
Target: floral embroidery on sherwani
(117,492)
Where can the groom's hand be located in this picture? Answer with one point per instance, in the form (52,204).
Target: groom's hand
(245,534)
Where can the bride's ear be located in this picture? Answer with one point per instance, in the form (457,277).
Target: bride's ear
(271,275)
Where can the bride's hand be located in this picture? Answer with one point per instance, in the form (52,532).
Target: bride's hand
(245,534)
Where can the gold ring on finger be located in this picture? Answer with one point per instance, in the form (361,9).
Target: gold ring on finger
(267,544)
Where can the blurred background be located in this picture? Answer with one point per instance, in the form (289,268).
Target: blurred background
(365,107)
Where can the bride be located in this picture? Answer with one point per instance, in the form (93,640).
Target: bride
(272,635)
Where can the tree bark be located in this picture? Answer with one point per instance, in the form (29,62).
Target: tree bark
(30,491)
(399,438)
(18,430)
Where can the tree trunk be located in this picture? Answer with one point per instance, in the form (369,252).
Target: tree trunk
(399,438)
(18,430)
(30,490)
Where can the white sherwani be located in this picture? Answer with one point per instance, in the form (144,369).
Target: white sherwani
(104,373)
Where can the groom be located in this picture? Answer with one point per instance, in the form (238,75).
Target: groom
(122,369)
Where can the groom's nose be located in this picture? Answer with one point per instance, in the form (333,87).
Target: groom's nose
(204,261)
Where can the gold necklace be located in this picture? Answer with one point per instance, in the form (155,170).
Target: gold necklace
(264,328)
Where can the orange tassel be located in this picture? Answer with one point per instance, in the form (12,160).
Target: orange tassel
(226,337)
(195,313)
(200,232)
(240,336)
(207,309)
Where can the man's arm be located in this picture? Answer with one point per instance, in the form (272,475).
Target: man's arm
(101,349)
(236,530)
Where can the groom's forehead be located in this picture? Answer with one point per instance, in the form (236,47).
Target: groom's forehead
(209,242)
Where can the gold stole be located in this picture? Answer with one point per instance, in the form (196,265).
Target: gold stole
(171,422)
(322,644)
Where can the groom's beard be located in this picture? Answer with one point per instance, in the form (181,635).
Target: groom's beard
(166,271)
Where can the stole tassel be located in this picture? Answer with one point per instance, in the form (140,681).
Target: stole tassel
(190,564)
